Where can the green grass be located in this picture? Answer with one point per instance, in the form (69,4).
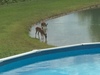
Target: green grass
(16,19)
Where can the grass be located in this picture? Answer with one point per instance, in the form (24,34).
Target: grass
(16,19)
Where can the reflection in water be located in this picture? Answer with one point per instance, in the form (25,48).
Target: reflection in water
(78,27)
(94,20)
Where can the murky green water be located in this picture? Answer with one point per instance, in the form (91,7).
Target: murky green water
(74,28)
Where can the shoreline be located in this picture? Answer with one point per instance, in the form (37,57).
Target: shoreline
(68,12)
(16,22)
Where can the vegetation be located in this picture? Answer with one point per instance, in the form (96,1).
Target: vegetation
(10,1)
(16,19)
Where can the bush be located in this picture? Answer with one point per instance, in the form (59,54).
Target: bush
(11,1)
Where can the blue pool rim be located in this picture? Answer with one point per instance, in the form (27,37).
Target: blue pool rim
(72,50)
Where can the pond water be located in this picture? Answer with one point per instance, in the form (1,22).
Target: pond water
(74,28)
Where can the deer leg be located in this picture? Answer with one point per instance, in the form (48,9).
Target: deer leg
(45,38)
(35,33)
(42,37)
(38,35)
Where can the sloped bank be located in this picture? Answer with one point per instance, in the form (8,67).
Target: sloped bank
(17,18)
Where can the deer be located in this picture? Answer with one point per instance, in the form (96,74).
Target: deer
(40,31)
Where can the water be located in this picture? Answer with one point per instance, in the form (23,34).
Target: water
(75,65)
(74,28)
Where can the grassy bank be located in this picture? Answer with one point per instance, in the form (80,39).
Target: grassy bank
(16,19)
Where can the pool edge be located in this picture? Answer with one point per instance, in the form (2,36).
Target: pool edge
(47,49)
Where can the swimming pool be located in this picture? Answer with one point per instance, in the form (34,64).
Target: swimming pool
(80,59)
